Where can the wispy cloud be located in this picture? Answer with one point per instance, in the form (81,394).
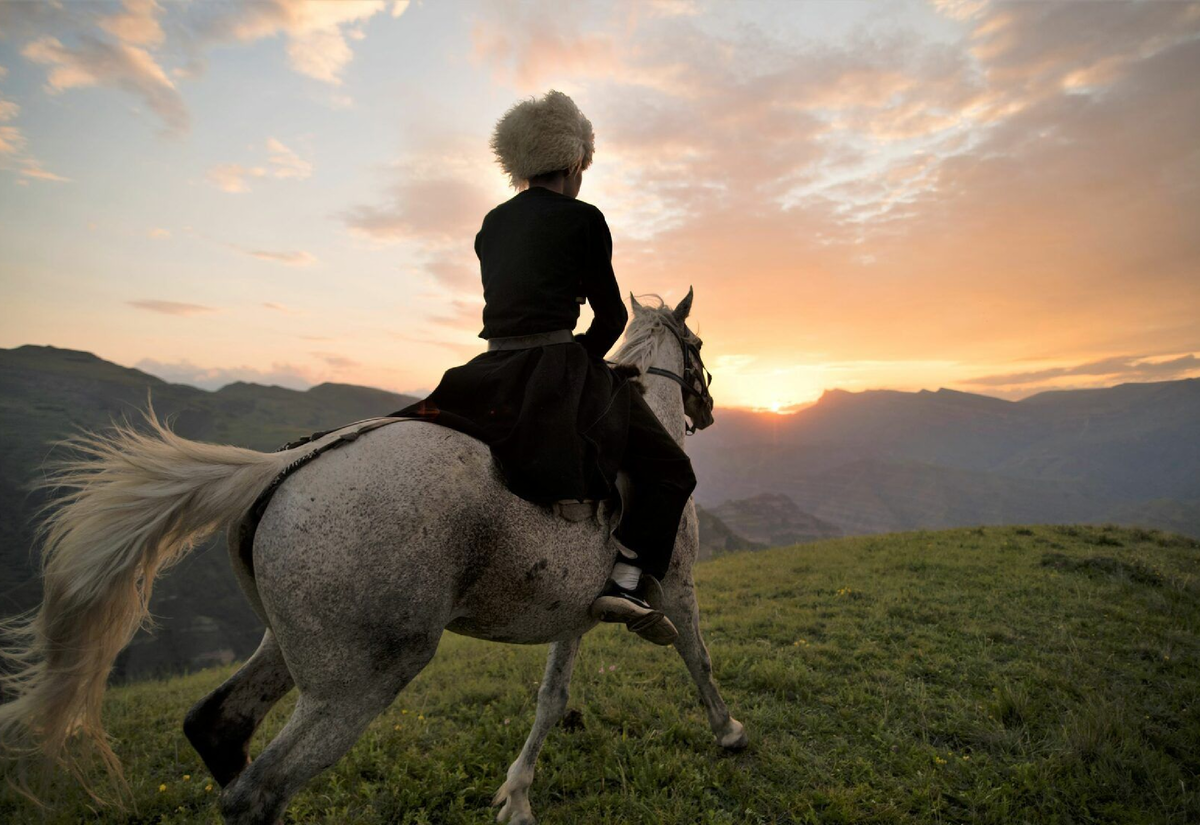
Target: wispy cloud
(281,162)
(336,361)
(1118,368)
(231,177)
(32,168)
(316,31)
(11,140)
(95,62)
(285,163)
(288,257)
(170,307)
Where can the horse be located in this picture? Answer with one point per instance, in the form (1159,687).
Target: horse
(359,563)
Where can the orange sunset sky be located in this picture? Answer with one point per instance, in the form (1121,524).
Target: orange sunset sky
(994,197)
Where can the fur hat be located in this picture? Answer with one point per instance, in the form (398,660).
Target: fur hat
(539,136)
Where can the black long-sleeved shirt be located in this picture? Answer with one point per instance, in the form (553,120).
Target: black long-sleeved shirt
(541,253)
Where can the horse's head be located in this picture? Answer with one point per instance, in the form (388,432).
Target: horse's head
(659,342)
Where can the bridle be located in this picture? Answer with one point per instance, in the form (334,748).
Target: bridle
(691,374)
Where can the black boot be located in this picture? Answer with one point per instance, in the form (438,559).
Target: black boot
(616,604)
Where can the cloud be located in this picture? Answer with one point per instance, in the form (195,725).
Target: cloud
(170,307)
(524,43)
(31,168)
(334,360)
(13,154)
(11,140)
(286,163)
(281,162)
(289,258)
(1117,368)
(137,24)
(95,62)
(124,47)
(431,210)
(435,206)
(316,31)
(231,177)
(159,232)
(1029,183)
(213,378)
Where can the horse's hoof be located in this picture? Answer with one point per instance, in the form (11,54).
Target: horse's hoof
(514,812)
(736,739)
(515,817)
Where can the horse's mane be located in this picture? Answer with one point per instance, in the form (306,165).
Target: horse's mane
(641,344)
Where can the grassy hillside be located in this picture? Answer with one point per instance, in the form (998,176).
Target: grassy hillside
(997,675)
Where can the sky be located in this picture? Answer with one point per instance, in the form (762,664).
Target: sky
(1000,198)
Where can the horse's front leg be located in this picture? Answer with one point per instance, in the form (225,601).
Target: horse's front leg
(679,603)
(552,701)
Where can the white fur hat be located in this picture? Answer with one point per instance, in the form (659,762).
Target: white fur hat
(538,136)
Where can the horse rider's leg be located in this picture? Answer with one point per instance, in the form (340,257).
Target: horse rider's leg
(220,725)
(552,701)
(335,706)
(661,483)
(680,606)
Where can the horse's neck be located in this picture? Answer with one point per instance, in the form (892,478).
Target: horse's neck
(665,399)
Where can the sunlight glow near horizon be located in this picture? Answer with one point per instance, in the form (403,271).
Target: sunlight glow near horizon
(991,197)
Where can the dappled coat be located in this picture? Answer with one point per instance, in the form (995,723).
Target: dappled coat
(556,417)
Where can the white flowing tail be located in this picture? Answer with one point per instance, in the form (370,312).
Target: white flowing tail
(136,502)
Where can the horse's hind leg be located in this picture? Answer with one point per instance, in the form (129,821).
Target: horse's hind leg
(552,701)
(334,708)
(220,725)
(680,606)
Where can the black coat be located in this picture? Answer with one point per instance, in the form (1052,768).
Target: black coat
(556,417)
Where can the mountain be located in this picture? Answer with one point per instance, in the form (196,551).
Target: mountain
(774,520)
(717,539)
(47,393)
(882,460)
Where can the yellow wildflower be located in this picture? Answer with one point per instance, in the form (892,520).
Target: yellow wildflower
(162,788)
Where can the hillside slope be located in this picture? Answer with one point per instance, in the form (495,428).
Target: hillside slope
(48,393)
(989,675)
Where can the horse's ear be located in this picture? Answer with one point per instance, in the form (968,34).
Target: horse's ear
(633,303)
(683,307)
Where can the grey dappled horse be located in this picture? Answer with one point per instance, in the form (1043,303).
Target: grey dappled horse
(361,560)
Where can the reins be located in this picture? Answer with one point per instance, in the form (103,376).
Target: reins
(694,372)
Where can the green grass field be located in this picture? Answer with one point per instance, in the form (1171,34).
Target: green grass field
(999,675)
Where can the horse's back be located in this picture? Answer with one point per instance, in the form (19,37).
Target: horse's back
(413,522)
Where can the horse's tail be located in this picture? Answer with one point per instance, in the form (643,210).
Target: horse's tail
(136,502)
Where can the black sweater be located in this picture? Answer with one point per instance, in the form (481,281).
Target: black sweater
(541,253)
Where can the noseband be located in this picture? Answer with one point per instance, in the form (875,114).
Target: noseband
(691,374)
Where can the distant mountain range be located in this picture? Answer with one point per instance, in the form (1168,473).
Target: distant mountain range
(851,463)
(48,393)
(881,461)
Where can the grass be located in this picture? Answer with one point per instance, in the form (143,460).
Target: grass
(989,675)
